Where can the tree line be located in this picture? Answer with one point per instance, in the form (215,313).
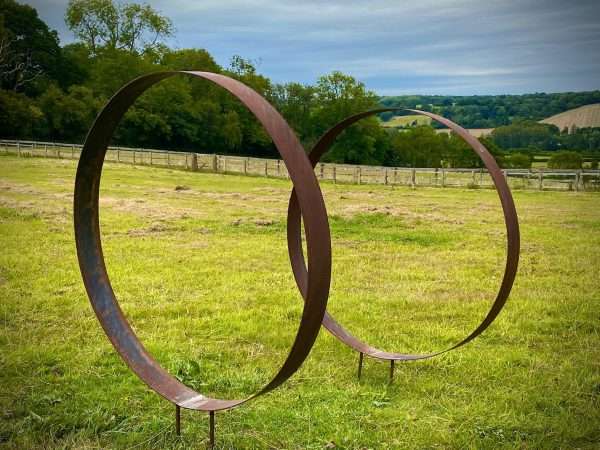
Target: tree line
(53,92)
(491,111)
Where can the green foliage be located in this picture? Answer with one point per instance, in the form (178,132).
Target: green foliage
(338,96)
(422,147)
(526,133)
(419,147)
(565,160)
(584,139)
(127,26)
(68,115)
(20,117)
(297,102)
(517,161)
(29,51)
(65,87)
(534,136)
(490,111)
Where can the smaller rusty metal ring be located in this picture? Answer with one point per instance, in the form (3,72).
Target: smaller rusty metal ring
(510,218)
(91,260)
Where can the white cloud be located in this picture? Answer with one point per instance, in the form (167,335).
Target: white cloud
(474,46)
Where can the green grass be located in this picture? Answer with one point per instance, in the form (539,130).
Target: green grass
(408,120)
(204,277)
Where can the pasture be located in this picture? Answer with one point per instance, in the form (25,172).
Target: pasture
(199,263)
(406,120)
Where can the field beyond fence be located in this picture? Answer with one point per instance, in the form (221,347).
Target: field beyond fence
(540,179)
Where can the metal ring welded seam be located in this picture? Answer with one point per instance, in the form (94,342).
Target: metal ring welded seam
(510,218)
(91,260)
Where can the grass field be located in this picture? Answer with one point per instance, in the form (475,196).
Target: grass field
(202,272)
(403,121)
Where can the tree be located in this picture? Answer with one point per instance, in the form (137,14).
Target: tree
(29,50)
(112,68)
(565,160)
(517,161)
(68,116)
(296,103)
(19,116)
(129,26)
(338,96)
(254,139)
(526,133)
(420,146)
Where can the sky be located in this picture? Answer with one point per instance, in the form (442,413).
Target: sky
(395,47)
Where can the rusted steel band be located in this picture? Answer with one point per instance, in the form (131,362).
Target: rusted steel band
(510,218)
(91,260)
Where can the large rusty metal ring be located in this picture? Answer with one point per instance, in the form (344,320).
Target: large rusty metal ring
(510,219)
(91,261)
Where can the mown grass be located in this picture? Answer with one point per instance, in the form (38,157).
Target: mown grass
(403,121)
(203,274)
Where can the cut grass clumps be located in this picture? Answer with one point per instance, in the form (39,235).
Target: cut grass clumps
(203,275)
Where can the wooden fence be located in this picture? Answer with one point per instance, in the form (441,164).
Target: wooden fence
(540,179)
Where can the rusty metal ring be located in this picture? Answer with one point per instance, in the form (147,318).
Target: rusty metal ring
(91,260)
(510,219)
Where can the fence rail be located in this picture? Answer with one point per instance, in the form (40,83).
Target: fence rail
(540,179)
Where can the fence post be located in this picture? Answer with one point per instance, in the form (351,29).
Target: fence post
(266,167)
(577,179)
(134,159)
(46,150)
(150,158)
(541,180)
(359,174)
(385,176)
(278,168)
(322,171)
(245,166)
(73,151)
(194,162)
(334,174)
(413,178)
(215,163)
(18,149)
(443,177)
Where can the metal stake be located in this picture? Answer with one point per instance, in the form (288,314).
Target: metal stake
(178,420)
(212,430)
(360,362)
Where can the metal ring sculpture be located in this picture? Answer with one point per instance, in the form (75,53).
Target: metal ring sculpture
(91,260)
(510,219)
(306,206)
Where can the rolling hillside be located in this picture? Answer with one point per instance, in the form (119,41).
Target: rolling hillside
(582,117)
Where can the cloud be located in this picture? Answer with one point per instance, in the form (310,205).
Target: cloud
(429,46)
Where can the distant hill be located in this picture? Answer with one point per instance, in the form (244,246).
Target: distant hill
(582,117)
(491,111)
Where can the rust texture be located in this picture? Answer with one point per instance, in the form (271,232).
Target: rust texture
(91,260)
(306,207)
(294,235)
